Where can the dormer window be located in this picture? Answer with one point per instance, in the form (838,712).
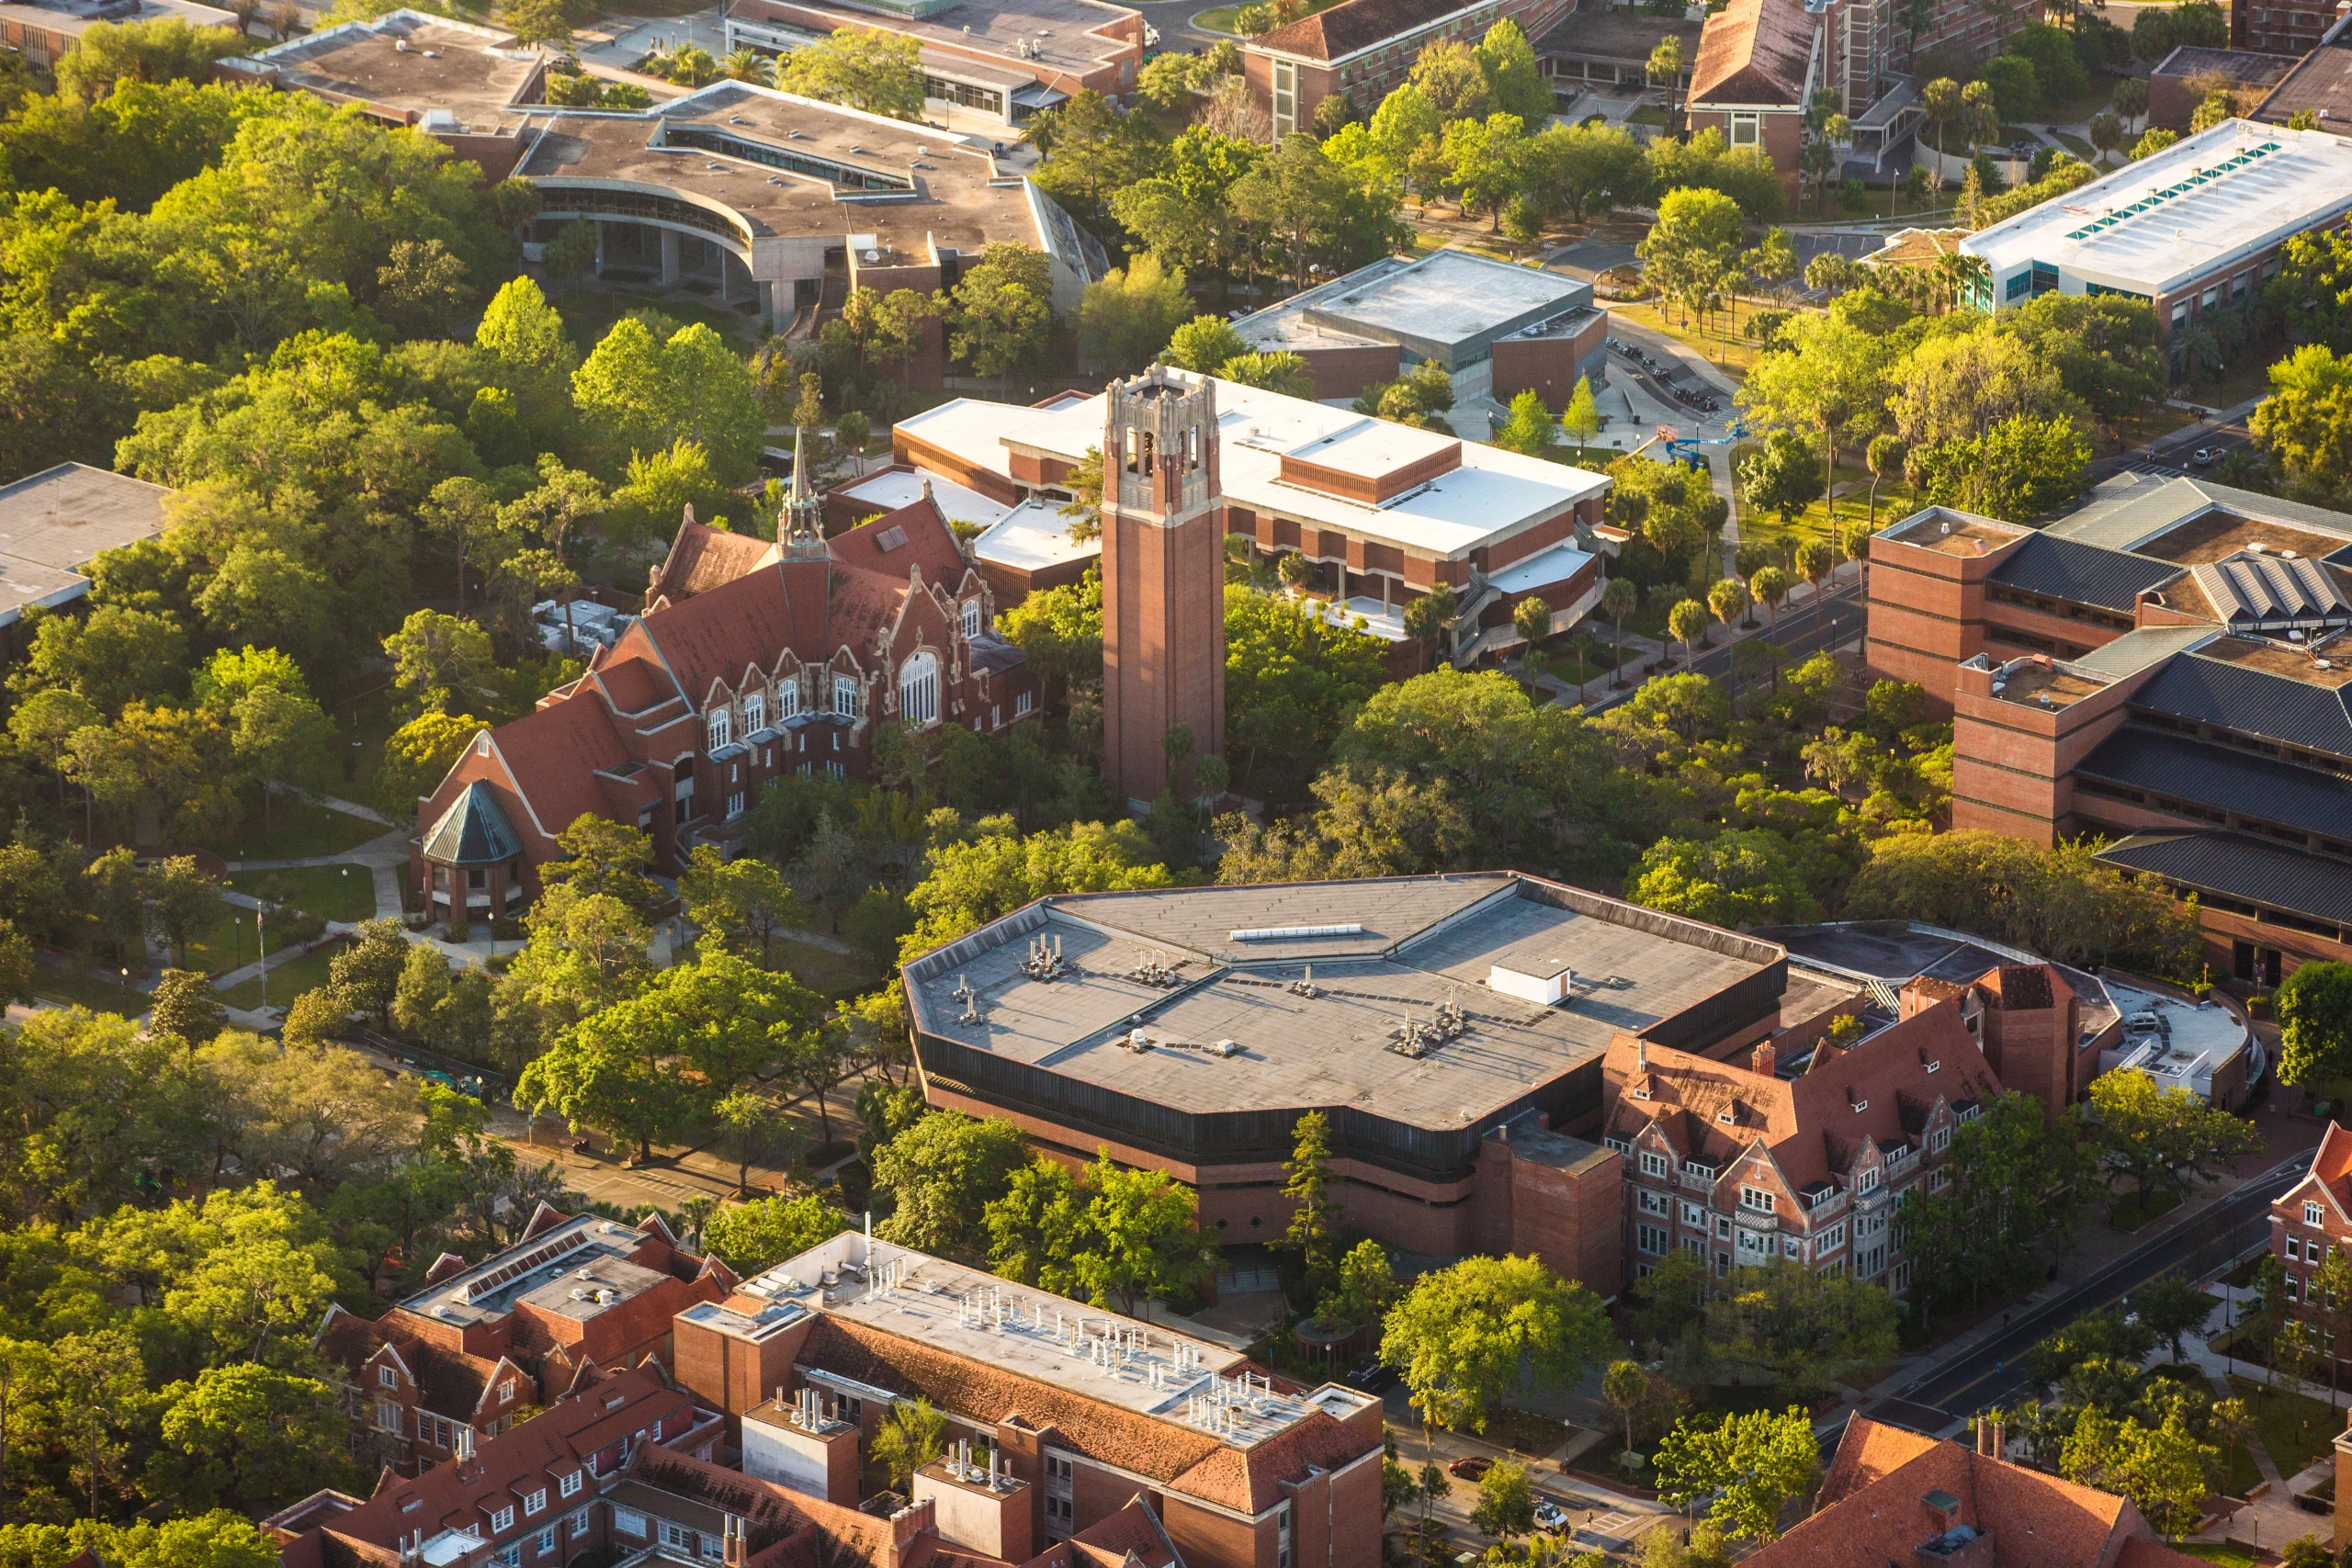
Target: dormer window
(1867,1181)
(718,729)
(787,699)
(971,619)
(1860,1106)
(2310,1214)
(1727,1115)
(755,713)
(845,695)
(1935,1067)
(506,1391)
(569,1485)
(387,1378)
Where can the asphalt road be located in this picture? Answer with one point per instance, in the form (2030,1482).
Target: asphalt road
(1836,619)
(1994,1371)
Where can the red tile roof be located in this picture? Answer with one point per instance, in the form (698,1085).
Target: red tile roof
(703,558)
(1753,52)
(551,754)
(1874,1510)
(1354,24)
(549,1446)
(1811,1123)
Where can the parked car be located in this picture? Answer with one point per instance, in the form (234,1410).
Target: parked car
(1470,1467)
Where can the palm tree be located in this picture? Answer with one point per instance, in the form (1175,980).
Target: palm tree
(749,65)
(693,67)
(1941,100)
(1665,61)
(1618,597)
(1727,596)
(1686,623)
(1882,457)
(1768,587)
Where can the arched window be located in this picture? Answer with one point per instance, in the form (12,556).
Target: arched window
(919,688)
(971,619)
(755,713)
(718,729)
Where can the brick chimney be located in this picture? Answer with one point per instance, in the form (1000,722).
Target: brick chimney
(734,1551)
(1766,1059)
(908,1526)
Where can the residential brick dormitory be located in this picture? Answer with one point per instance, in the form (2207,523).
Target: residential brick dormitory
(1077,1438)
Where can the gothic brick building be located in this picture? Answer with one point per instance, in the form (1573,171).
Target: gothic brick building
(1803,1153)
(753,660)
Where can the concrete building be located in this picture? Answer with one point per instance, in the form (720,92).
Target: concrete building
(1002,60)
(1062,1417)
(1892,1496)
(1384,512)
(1803,1153)
(54,523)
(1451,1028)
(1363,50)
(782,203)
(2178,84)
(753,659)
(2192,229)
(44,31)
(449,1366)
(1021,547)
(1498,330)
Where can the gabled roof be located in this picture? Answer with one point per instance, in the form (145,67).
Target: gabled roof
(1874,1508)
(703,558)
(473,832)
(2224,778)
(1353,26)
(1755,51)
(2330,1171)
(2082,574)
(2238,696)
(1817,1122)
(552,754)
(2237,865)
(709,637)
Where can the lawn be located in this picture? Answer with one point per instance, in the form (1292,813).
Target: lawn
(226,941)
(2218,1552)
(330,892)
(2295,1429)
(71,987)
(1895,500)
(1722,339)
(287,981)
(297,830)
(2128,1214)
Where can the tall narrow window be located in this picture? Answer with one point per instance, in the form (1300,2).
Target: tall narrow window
(971,618)
(919,688)
(1285,98)
(755,713)
(845,695)
(718,729)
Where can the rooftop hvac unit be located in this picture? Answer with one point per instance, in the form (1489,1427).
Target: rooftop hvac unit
(1544,987)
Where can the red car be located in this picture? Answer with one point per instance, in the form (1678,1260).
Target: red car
(1470,1467)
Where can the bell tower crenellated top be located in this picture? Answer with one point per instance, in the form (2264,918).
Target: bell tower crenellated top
(1159,446)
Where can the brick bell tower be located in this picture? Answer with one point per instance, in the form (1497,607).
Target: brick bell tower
(1163,577)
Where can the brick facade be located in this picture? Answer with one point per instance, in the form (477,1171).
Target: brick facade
(1163,581)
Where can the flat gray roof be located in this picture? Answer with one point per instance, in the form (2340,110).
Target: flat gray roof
(577,1270)
(1446,306)
(1217,981)
(54,522)
(412,62)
